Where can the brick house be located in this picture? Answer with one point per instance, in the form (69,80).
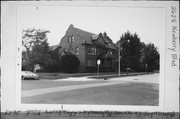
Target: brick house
(89,47)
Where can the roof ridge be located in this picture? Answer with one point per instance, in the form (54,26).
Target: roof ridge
(84,31)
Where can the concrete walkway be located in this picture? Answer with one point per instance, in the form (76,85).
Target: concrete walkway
(150,78)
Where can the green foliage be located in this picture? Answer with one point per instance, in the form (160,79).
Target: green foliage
(130,51)
(69,63)
(136,54)
(36,49)
(151,57)
(54,55)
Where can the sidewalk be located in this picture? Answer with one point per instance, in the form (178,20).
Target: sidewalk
(121,75)
(148,78)
(102,75)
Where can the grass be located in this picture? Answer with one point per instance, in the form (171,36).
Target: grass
(103,75)
(66,75)
(119,94)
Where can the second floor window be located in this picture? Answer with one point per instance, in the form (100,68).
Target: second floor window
(70,39)
(92,51)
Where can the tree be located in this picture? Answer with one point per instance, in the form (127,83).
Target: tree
(54,55)
(130,51)
(151,57)
(69,63)
(36,48)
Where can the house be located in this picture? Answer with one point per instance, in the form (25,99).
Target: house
(90,47)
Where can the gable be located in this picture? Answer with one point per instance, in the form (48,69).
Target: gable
(82,36)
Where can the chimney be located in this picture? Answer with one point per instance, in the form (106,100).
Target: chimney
(71,25)
(105,34)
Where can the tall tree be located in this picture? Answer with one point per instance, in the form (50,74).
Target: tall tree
(130,51)
(54,53)
(151,57)
(36,48)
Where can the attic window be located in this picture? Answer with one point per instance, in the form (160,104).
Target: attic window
(70,39)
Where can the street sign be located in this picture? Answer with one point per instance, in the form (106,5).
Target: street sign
(98,62)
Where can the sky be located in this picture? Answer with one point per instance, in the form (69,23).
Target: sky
(148,23)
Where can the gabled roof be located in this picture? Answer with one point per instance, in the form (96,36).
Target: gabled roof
(90,38)
(87,36)
(95,37)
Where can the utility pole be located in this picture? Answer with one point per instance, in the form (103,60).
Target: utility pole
(119,62)
(119,45)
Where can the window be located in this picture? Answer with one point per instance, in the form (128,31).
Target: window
(89,50)
(77,50)
(93,62)
(89,62)
(92,51)
(70,39)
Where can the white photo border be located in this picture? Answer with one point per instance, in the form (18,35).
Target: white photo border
(11,55)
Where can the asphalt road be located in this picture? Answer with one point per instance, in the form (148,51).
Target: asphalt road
(133,90)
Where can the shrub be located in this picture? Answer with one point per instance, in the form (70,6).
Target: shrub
(69,63)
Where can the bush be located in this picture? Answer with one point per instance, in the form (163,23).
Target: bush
(69,63)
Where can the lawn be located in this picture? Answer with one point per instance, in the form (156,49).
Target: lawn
(66,75)
(105,75)
(120,94)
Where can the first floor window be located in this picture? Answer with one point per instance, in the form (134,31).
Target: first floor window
(89,62)
(89,50)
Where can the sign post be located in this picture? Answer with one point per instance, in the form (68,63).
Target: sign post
(145,68)
(98,63)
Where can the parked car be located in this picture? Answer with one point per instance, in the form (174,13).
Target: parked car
(29,75)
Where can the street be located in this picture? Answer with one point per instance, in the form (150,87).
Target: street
(129,90)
